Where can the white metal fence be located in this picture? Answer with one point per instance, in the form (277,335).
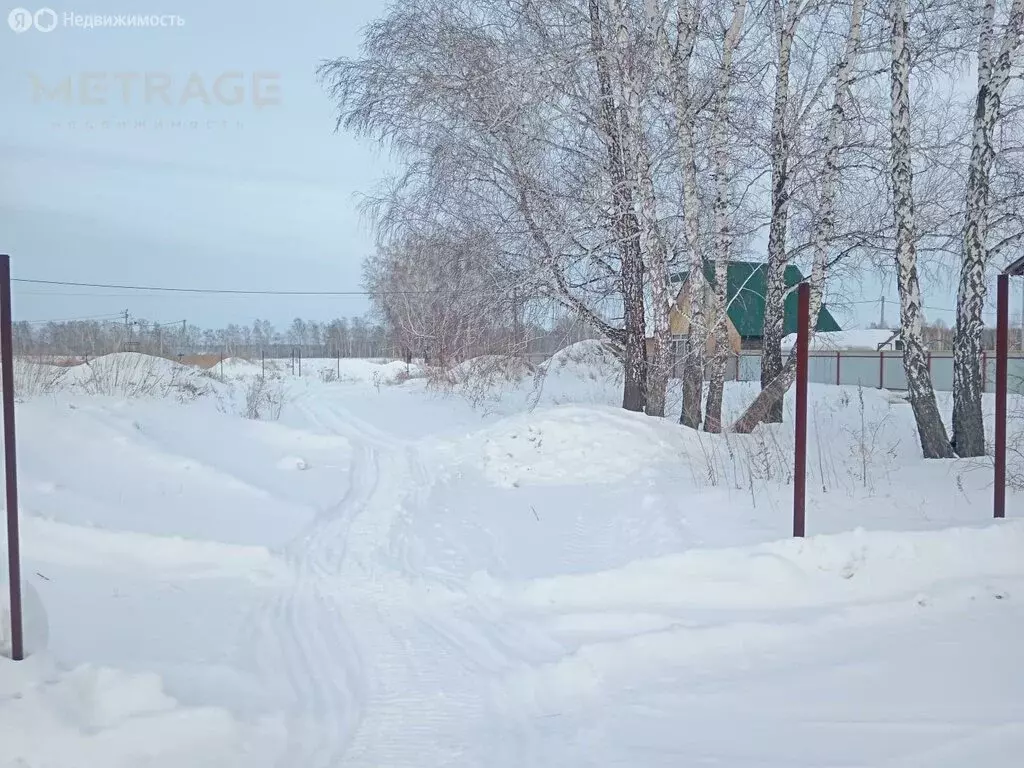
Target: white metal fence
(881,370)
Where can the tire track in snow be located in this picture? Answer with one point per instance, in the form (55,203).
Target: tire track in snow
(303,640)
(376,671)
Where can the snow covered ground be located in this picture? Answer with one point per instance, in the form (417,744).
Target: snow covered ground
(392,575)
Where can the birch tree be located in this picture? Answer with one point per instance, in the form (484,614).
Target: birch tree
(787,21)
(677,62)
(723,234)
(995,60)
(931,431)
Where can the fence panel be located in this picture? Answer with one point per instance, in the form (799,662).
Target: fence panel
(866,369)
(821,369)
(859,369)
(893,376)
(942,372)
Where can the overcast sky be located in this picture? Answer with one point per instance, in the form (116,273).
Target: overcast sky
(253,198)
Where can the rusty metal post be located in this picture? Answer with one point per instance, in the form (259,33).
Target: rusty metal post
(800,459)
(881,369)
(839,363)
(10,462)
(1002,346)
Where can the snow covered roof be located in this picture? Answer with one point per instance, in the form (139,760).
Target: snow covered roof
(867,338)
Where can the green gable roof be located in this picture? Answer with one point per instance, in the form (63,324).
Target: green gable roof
(747,282)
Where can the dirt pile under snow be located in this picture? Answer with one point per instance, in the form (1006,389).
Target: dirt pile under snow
(132,374)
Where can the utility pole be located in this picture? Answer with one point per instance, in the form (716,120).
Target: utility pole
(881,321)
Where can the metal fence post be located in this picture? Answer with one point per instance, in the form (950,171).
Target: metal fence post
(881,369)
(10,459)
(1002,346)
(800,459)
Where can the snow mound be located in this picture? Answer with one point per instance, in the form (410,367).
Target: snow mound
(99,716)
(591,359)
(570,445)
(133,374)
(496,367)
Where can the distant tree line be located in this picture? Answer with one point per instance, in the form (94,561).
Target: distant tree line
(347,337)
(344,337)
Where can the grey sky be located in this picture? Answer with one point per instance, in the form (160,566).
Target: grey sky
(252,198)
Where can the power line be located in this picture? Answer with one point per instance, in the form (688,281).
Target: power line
(168,289)
(72,319)
(268,292)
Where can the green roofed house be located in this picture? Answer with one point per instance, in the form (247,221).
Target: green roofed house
(746,289)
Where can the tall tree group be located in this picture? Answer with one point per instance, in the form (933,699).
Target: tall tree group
(581,152)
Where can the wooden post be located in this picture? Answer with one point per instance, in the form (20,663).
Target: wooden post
(800,459)
(10,459)
(1002,346)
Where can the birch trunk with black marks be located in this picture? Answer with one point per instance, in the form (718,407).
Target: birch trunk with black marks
(653,245)
(824,231)
(722,222)
(993,76)
(775,279)
(677,59)
(626,227)
(931,431)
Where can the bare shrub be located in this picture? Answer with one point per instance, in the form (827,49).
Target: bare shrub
(866,444)
(264,398)
(480,380)
(32,379)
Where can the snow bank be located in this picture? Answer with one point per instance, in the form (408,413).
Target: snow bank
(94,716)
(817,571)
